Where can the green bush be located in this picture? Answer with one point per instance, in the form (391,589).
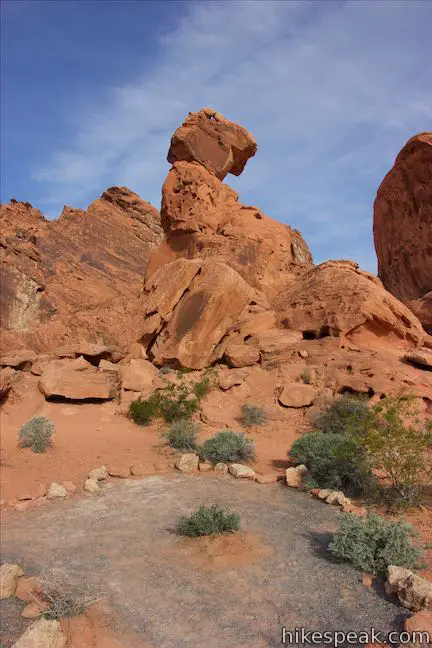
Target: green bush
(176,402)
(347,415)
(228,446)
(165,370)
(398,443)
(142,411)
(252,415)
(209,520)
(182,435)
(36,434)
(373,543)
(334,461)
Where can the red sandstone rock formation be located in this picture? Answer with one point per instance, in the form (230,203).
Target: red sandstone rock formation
(403,227)
(72,279)
(203,218)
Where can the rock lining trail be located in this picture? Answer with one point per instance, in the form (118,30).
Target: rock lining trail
(176,592)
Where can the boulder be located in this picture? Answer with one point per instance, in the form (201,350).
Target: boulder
(71,280)
(42,634)
(7,378)
(21,359)
(78,380)
(138,375)
(420,359)
(56,491)
(276,346)
(420,622)
(295,476)
(207,137)
(187,462)
(196,303)
(337,299)
(239,471)
(337,498)
(403,224)
(241,355)
(9,575)
(414,592)
(221,469)
(297,395)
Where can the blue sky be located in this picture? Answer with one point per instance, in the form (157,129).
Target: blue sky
(93,89)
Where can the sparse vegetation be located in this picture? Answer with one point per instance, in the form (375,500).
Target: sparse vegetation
(36,434)
(228,446)
(334,461)
(373,543)
(165,370)
(397,442)
(252,415)
(63,599)
(306,376)
(347,415)
(209,520)
(142,411)
(182,435)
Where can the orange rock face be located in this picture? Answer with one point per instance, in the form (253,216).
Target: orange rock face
(72,279)
(206,137)
(403,227)
(338,299)
(203,218)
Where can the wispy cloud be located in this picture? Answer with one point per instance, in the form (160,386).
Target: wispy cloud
(330,90)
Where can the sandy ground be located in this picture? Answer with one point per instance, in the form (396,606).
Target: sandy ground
(173,592)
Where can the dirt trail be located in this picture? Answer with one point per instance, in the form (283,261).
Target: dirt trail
(174,592)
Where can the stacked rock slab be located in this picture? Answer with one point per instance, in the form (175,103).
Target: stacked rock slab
(202,217)
(403,227)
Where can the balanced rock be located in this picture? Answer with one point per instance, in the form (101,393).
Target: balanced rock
(207,137)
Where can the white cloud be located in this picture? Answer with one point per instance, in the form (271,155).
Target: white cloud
(330,90)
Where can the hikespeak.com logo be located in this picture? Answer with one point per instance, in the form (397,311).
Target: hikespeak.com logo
(336,639)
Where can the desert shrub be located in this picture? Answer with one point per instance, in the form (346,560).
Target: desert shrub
(209,520)
(228,446)
(252,415)
(397,443)
(165,370)
(347,415)
(63,599)
(142,411)
(176,402)
(306,375)
(36,434)
(182,435)
(373,543)
(334,461)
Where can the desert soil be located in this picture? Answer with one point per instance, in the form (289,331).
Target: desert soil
(174,592)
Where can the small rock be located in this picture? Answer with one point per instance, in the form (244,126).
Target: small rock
(239,471)
(337,498)
(187,462)
(122,472)
(297,395)
(295,476)
(34,609)
(22,506)
(367,580)
(9,575)
(323,493)
(70,487)
(204,467)
(28,588)
(269,478)
(139,470)
(420,622)
(415,593)
(56,491)
(99,473)
(221,468)
(92,486)
(42,634)
(303,354)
